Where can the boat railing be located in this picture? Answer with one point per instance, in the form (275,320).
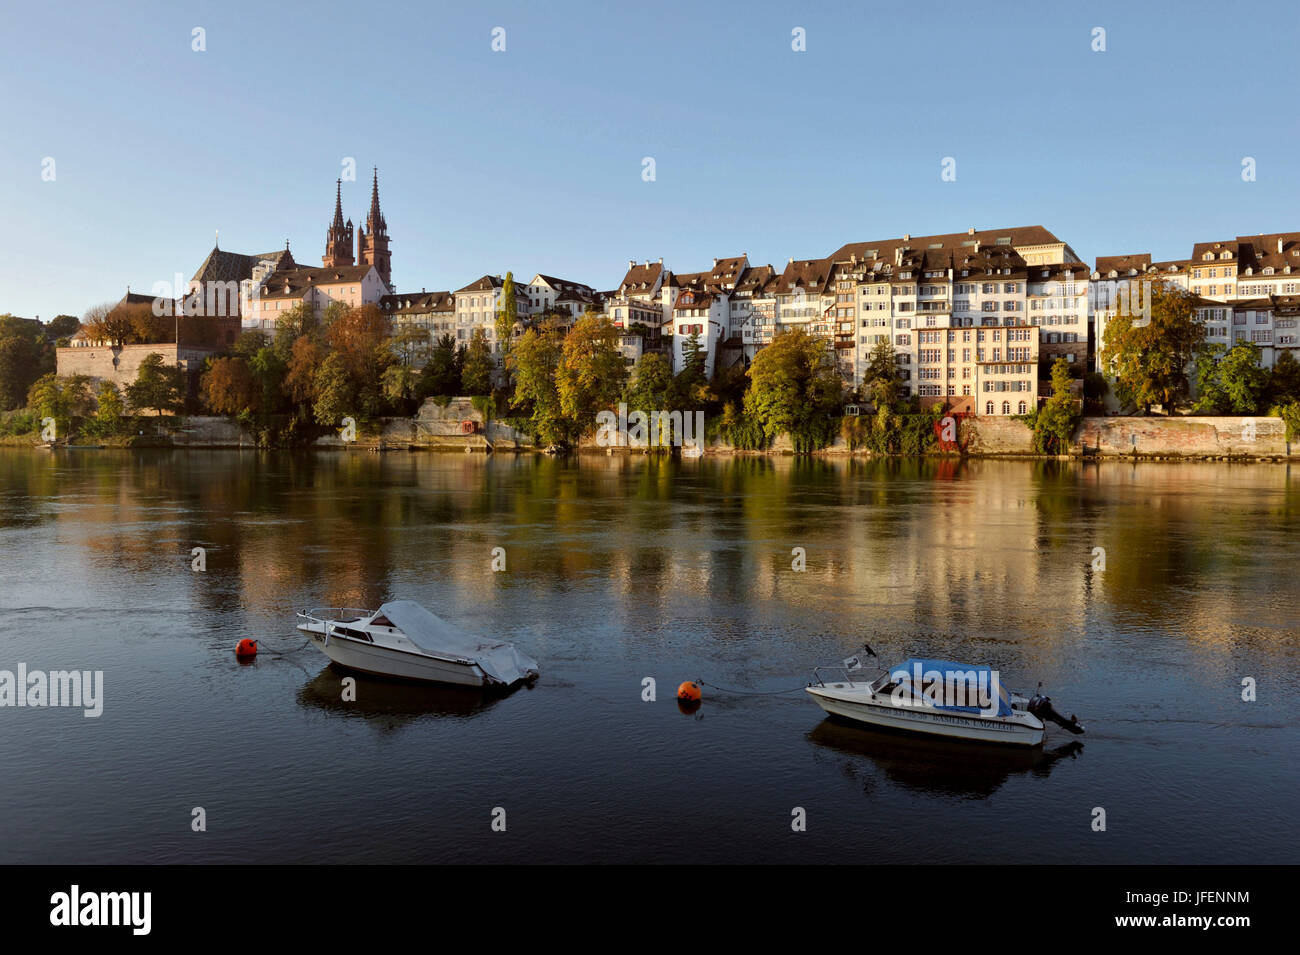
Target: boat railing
(324,615)
(821,674)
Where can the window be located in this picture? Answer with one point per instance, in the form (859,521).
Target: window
(988,408)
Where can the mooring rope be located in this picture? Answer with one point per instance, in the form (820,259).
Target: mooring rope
(728,689)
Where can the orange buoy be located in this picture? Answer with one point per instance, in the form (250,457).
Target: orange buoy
(689,692)
(246,648)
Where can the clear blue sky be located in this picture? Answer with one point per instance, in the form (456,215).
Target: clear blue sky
(531,159)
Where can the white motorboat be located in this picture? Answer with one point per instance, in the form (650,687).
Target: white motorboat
(937,697)
(402,639)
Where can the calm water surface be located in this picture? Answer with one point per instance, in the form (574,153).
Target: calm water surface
(620,569)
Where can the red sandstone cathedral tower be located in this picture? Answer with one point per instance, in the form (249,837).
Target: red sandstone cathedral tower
(372,239)
(338,239)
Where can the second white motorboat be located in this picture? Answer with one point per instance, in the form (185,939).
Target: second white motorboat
(937,697)
(402,639)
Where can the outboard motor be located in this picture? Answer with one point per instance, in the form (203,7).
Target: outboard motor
(1041,706)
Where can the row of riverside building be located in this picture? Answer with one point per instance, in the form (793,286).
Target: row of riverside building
(975,318)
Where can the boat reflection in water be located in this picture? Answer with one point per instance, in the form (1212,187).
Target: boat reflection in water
(936,765)
(391,703)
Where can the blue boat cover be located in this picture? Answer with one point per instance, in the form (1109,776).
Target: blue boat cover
(975,682)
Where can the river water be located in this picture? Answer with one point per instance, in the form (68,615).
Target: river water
(619,569)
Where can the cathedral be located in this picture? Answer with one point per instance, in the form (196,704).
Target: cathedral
(371,239)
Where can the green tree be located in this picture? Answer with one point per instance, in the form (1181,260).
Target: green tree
(66,400)
(535,361)
(476,373)
(691,377)
(61,326)
(298,321)
(334,396)
(20,367)
(110,410)
(881,379)
(158,386)
(592,371)
(269,370)
(1232,381)
(1150,357)
(794,388)
(507,314)
(1284,380)
(651,386)
(399,383)
(441,374)
(1055,422)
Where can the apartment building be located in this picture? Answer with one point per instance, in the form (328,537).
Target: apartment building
(914,291)
(701,308)
(420,319)
(282,290)
(1245,289)
(475,307)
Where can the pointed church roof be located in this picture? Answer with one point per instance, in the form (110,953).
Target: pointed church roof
(375,221)
(221,266)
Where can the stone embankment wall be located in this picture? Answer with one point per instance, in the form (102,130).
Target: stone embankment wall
(209,432)
(1206,437)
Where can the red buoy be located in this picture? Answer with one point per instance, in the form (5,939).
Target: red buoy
(246,649)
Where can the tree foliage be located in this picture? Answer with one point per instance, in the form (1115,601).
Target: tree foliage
(1150,358)
(794,388)
(592,372)
(158,386)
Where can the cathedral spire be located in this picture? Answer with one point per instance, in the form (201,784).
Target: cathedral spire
(338,238)
(338,206)
(375,221)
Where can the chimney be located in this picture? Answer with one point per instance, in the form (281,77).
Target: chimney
(906,237)
(715,263)
(1279,246)
(661,260)
(970,231)
(631,263)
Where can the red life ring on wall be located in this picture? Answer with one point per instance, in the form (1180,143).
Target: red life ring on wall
(467,427)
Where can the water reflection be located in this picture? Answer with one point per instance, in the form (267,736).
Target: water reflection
(391,704)
(942,767)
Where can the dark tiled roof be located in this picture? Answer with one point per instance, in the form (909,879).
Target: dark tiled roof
(486,284)
(755,278)
(1200,249)
(1123,264)
(222,266)
(417,303)
(641,278)
(1259,252)
(884,249)
(808,275)
(294,283)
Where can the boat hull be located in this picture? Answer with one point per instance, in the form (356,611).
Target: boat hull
(858,705)
(400,664)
